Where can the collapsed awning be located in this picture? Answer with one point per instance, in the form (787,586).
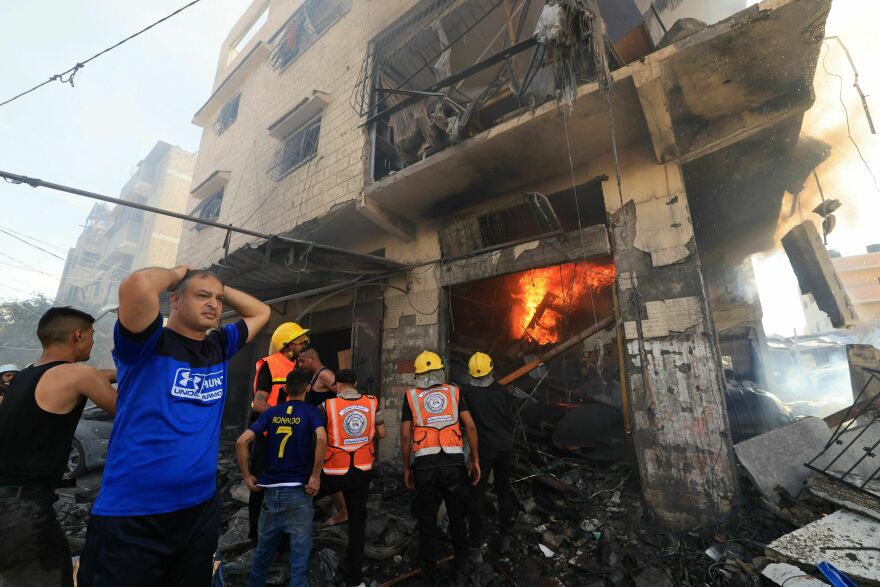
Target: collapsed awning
(284,264)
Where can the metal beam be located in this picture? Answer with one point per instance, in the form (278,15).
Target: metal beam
(34,182)
(456,77)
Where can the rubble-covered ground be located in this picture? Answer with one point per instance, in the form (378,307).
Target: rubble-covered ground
(578,522)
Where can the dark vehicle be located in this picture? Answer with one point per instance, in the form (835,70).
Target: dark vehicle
(89,448)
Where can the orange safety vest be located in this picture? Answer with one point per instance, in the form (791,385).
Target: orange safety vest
(435,420)
(351,427)
(279,366)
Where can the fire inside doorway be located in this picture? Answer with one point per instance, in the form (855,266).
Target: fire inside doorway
(522,320)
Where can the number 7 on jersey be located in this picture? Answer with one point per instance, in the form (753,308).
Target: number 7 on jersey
(287,431)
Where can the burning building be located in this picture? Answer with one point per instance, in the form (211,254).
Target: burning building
(551,182)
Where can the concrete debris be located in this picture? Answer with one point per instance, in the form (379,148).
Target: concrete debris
(239,492)
(849,541)
(816,274)
(790,576)
(546,551)
(776,459)
(865,502)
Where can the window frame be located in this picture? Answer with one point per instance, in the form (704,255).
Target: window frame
(281,156)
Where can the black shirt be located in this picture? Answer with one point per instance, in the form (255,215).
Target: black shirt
(34,443)
(441,459)
(492,411)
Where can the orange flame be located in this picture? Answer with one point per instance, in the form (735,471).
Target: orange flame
(550,293)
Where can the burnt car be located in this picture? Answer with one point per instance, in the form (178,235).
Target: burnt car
(88,451)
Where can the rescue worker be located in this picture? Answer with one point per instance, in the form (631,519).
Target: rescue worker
(288,340)
(7,374)
(321,388)
(491,408)
(37,424)
(353,424)
(430,432)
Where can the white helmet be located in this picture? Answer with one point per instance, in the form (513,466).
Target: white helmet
(9,367)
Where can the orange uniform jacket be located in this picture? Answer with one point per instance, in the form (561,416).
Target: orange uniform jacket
(351,428)
(279,366)
(435,420)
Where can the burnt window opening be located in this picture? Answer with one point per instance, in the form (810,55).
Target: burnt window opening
(533,217)
(208,209)
(520,316)
(227,115)
(450,69)
(580,207)
(298,148)
(305,27)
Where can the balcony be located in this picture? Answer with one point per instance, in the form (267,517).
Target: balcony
(699,101)
(122,244)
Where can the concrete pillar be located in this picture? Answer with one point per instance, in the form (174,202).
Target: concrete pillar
(411,324)
(672,363)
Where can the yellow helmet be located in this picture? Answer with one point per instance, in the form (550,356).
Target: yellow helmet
(428,361)
(480,365)
(286,333)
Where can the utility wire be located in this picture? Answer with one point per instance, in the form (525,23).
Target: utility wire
(846,114)
(70,73)
(6,232)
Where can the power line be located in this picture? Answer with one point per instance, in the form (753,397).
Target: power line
(70,73)
(846,115)
(35,239)
(229,228)
(6,232)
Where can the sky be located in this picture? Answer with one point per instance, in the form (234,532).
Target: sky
(92,135)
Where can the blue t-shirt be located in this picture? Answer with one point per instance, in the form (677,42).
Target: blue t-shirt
(163,449)
(290,444)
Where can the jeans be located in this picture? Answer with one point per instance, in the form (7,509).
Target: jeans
(499,463)
(285,510)
(447,484)
(355,488)
(33,550)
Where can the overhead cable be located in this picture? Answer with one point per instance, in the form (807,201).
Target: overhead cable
(70,73)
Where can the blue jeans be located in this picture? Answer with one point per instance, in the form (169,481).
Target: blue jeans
(285,510)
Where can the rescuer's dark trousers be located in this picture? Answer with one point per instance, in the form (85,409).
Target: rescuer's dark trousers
(355,488)
(499,464)
(448,484)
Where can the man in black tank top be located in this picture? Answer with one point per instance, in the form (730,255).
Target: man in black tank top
(323,383)
(38,418)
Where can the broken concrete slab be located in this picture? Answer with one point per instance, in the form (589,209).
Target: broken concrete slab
(776,459)
(817,275)
(790,576)
(849,541)
(865,502)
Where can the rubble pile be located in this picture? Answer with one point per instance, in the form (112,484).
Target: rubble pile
(578,522)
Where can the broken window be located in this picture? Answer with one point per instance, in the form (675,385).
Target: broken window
(208,209)
(227,115)
(296,149)
(305,26)
(448,70)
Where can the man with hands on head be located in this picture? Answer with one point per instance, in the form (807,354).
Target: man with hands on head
(157,517)
(295,444)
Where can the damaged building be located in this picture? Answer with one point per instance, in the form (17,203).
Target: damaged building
(574,186)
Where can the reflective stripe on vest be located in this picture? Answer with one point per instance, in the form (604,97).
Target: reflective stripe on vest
(435,420)
(279,366)
(351,428)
